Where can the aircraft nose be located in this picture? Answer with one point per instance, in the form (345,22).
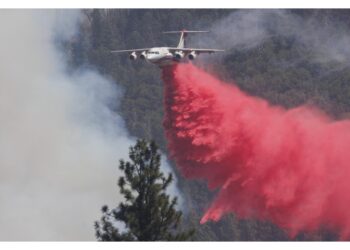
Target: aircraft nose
(152,58)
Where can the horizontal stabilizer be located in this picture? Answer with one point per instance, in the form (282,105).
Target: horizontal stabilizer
(185,31)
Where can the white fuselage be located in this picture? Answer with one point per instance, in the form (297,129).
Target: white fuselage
(160,56)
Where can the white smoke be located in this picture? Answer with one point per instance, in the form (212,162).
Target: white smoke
(59,142)
(246,29)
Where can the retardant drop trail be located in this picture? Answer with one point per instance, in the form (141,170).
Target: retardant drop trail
(290,167)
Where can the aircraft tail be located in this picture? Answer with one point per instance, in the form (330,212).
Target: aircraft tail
(184,33)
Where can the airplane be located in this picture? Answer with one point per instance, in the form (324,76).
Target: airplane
(163,56)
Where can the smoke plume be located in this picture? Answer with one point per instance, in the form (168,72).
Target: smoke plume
(327,39)
(290,167)
(59,141)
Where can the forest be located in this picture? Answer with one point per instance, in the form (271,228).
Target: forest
(280,69)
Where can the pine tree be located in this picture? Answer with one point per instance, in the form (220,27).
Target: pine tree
(148,213)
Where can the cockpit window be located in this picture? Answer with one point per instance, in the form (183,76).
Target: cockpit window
(153,52)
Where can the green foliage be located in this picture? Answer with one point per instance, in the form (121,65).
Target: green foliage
(279,70)
(148,213)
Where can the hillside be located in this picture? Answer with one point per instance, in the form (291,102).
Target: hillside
(279,69)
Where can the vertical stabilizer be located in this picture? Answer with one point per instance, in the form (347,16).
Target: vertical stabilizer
(182,42)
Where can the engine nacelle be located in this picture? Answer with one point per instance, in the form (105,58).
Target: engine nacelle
(192,55)
(143,55)
(179,55)
(133,56)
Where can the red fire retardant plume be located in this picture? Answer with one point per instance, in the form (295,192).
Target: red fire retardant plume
(291,167)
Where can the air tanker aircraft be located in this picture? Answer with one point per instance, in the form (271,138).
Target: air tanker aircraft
(163,56)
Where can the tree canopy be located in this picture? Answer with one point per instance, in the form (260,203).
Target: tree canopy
(148,213)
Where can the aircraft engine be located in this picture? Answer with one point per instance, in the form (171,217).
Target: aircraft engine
(179,54)
(133,56)
(192,55)
(143,55)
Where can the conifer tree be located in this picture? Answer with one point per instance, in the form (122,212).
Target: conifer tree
(148,213)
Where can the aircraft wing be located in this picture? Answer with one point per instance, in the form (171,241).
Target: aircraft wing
(189,50)
(129,50)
